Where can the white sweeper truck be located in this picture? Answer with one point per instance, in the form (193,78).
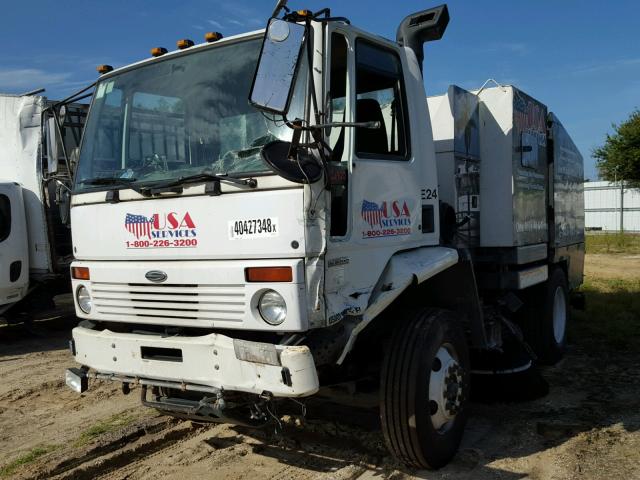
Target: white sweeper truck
(262,215)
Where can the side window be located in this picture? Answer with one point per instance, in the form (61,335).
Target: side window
(5,217)
(336,96)
(380,98)
(107,147)
(336,100)
(529,150)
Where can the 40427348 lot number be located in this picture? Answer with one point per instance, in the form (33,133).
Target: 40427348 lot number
(254,228)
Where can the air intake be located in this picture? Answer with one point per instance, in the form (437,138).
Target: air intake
(421,27)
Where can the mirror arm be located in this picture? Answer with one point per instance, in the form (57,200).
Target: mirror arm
(312,83)
(75,97)
(58,181)
(323,148)
(281,5)
(372,125)
(295,139)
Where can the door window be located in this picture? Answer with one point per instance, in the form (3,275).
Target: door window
(336,97)
(5,217)
(336,101)
(380,98)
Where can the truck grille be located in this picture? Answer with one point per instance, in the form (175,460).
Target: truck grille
(188,302)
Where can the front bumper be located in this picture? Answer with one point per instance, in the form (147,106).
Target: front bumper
(206,363)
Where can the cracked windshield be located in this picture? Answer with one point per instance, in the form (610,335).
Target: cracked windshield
(179,117)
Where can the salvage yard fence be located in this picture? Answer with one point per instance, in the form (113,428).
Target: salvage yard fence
(611,207)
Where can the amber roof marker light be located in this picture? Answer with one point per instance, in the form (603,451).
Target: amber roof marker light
(184,43)
(211,37)
(158,51)
(102,69)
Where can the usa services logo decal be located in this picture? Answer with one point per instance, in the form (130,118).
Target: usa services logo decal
(387,219)
(161,230)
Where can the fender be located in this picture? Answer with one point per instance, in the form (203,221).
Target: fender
(404,269)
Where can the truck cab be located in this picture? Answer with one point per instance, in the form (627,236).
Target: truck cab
(37,138)
(258,216)
(14,258)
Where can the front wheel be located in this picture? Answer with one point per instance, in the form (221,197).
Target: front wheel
(425,389)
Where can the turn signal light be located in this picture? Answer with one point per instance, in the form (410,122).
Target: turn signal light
(268,274)
(158,51)
(184,43)
(212,36)
(102,69)
(304,13)
(80,273)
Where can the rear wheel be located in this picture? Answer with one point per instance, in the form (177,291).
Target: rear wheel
(425,389)
(544,318)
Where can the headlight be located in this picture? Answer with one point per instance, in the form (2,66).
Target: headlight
(272,308)
(84,299)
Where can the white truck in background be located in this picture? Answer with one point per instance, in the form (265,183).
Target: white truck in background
(230,254)
(37,137)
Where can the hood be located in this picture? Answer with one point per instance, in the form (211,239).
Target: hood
(258,224)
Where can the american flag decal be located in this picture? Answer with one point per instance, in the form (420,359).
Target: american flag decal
(371,213)
(138,225)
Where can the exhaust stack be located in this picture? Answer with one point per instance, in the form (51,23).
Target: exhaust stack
(421,27)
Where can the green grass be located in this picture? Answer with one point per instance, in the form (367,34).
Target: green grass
(111,424)
(612,316)
(612,243)
(27,458)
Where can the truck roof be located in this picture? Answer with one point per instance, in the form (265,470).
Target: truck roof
(186,51)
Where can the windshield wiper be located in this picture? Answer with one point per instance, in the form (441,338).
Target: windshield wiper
(175,186)
(117,182)
(108,181)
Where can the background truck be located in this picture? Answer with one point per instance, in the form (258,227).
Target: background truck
(35,182)
(337,226)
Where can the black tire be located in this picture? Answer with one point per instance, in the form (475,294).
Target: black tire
(405,403)
(538,318)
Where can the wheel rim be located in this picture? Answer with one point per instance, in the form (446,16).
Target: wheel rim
(559,314)
(445,388)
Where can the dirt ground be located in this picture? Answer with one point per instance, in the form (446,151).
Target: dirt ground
(586,427)
(612,266)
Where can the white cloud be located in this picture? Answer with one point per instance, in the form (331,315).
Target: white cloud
(516,48)
(31,78)
(608,66)
(236,22)
(215,24)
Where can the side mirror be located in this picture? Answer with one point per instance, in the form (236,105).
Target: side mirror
(52,146)
(74,156)
(64,204)
(303,169)
(277,66)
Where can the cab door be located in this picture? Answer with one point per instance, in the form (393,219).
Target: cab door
(14,254)
(390,166)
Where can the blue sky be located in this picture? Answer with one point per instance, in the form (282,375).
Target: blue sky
(581,58)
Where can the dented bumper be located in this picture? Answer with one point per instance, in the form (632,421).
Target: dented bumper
(206,363)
